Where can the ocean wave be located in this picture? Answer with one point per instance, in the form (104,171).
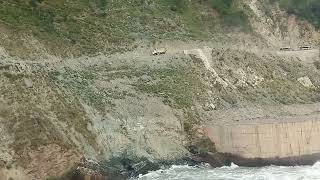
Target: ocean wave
(235,172)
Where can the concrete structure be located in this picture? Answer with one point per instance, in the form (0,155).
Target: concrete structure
(289,140)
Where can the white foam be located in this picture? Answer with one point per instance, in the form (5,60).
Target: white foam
(234,165)
(234,172)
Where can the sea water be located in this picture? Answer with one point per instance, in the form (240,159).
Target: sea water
(234,172)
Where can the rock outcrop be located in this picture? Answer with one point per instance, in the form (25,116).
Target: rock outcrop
(306,82)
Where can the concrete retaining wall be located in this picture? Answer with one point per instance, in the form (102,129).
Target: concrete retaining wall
(274,139)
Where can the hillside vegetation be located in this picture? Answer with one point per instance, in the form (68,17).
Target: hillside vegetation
(307,9)
(71,87)
(87,27)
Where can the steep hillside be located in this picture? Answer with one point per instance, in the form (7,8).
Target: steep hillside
(73,27)
(279,28)
(133,107)
(77,79)
(309,10)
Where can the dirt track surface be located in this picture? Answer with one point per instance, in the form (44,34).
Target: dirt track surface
(306,56)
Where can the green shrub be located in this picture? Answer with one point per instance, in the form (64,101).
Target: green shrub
(237,18)
(35,3)
(306,9)
(222,6)
(177,5)
(231,15)
(317,64)
(103,4)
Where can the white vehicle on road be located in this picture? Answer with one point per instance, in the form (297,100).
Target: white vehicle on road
(159,51)
(286,49)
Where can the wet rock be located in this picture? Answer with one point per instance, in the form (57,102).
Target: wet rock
(90,169)
(120,168)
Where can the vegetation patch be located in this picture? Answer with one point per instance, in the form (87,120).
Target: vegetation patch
(80,84)
(178,86)
(306,9)
(86,27)
(231,13)
(34,114)
(317,64)
(202,146)
(279,85)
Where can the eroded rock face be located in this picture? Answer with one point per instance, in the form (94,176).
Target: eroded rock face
(278,27)
(205,56)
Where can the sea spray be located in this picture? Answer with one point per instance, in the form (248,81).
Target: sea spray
(234,172)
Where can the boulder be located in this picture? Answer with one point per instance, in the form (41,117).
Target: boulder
(306,82)
(28,83)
